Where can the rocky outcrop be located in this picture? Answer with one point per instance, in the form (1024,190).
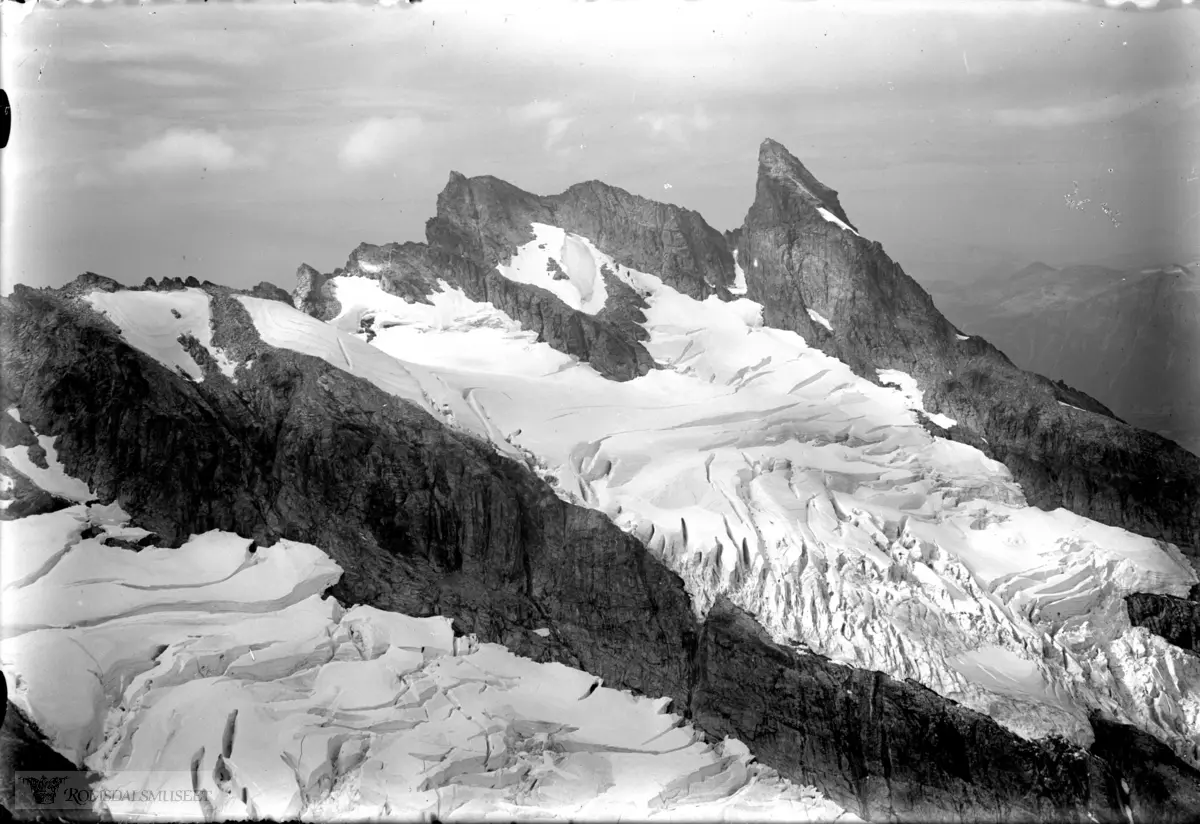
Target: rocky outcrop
(1175,619)
(313,294)
(25,497)
(486,219)
(22,496)
(266,291)
(675,244)
(798,256)
(425,520)
(888,749)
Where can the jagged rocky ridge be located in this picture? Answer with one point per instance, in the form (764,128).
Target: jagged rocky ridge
(1064,448)
(428,521)
(795,260)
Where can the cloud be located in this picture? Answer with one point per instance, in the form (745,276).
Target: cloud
(119,39)
(179,150)
(675,126)
(167,78)
(377,140)
(549,114)
(1092,111)
(537,110)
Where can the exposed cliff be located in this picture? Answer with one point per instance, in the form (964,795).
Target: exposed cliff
(1175,619)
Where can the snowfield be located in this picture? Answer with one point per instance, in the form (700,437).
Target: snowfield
(758,467)
(152,322)
(583,286)
(222,669)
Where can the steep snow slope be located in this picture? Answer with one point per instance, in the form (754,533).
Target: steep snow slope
(154,321)
(284,327)
(764,469)
(216,679)
(561,263)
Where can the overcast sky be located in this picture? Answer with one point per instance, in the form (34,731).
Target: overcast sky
(233,142)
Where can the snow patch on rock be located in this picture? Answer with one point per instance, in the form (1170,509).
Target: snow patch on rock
(818,318)
(835,220)
(739,277)
(913,396)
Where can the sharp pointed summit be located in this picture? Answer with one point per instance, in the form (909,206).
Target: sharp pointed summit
(777,164)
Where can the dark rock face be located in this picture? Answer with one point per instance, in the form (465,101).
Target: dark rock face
(16,433)
(425,520)
(1160,786)
(266,291)
(673,243)
(25,758)
(887,749)
(486,219)
(1175,619)
(795,259)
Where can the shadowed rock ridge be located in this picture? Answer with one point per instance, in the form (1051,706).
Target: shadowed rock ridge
(426,520)
(1175,619)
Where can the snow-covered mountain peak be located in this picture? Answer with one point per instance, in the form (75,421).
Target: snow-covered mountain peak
(772,484)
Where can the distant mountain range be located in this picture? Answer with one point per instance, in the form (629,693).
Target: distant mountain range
(1128,337)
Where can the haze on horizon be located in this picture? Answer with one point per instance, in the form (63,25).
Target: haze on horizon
(234,141)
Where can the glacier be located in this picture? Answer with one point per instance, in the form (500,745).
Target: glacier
(215,682)
(761,469)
